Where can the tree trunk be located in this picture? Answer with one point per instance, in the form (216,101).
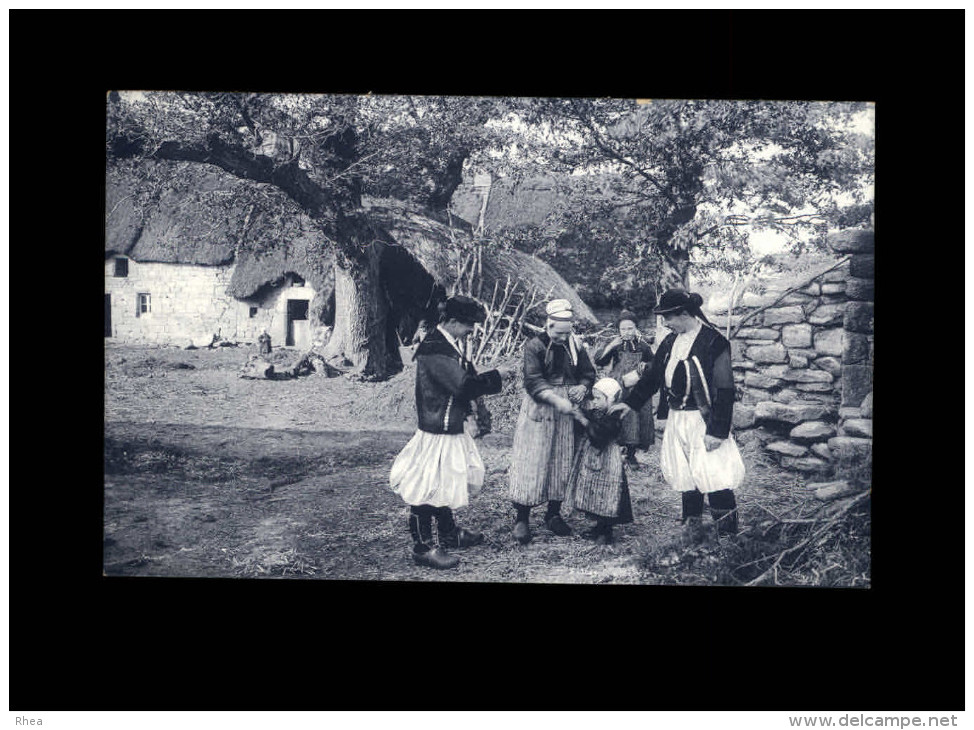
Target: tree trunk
(674,252)
(360,340)
(675,269)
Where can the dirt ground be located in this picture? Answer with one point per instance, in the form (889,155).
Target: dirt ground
(208,474)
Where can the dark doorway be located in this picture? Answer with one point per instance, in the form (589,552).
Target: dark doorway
(297,311)
(108,315)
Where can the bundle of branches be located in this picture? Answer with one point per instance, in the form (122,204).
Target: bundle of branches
(506,326)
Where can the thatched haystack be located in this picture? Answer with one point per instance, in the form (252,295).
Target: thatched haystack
(440,252)
(585,255)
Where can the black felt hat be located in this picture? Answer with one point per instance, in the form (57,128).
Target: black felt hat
(464,309)
(673,300)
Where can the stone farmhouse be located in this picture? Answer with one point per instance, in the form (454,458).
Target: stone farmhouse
(173,274)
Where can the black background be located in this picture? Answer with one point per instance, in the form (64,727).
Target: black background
(79,641)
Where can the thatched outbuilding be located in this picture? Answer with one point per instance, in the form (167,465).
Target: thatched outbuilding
(433,255)
(531,214)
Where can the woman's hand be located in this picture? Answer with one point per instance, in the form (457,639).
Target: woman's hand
(577,393)
(614,343)
(619,408)
(712,443)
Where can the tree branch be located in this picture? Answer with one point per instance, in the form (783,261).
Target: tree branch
(242,163)
(814,535)
(615,155)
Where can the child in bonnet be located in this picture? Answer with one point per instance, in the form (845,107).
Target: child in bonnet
(597,484)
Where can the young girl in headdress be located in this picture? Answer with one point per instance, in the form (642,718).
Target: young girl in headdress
(627,356)
(597,484)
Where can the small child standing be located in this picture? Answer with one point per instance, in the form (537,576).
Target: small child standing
(597,484)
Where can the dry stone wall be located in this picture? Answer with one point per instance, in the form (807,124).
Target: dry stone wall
(803,366)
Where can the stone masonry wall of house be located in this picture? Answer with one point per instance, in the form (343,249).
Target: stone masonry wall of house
(189,304)
(803,367)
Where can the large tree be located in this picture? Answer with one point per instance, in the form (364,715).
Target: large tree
(324,152)
(686,173)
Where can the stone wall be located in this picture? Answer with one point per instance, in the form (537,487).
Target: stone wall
(803,367)
(189,304)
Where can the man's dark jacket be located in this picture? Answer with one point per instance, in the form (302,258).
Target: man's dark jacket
(713,352)
(446,383)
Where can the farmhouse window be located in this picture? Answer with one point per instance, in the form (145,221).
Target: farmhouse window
(253,312)
(121,267)
(143,305)
(297,280)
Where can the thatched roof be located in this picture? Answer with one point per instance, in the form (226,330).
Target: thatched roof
(191,214)
(511,204)
(174,218)
(308,256)
(587,255)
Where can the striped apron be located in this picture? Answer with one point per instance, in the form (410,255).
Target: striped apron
(542,453)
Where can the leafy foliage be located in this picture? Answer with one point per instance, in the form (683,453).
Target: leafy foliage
(679,168)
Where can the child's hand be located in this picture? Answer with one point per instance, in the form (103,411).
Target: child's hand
(562,405)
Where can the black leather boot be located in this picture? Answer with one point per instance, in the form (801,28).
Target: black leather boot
(694,532)
(726,520)
(601,534)
(426,551)
(553,520)
(522,529)
(451,534)
(723,509)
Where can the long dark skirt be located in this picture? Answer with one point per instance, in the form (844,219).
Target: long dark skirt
(638,428)
(624,510)
(598,485)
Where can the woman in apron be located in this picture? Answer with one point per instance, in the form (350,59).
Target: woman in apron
(626,357)
(557,376)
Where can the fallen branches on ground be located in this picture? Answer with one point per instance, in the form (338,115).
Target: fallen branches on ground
(801,542)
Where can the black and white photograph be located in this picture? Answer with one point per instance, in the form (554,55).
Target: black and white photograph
(488,339)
